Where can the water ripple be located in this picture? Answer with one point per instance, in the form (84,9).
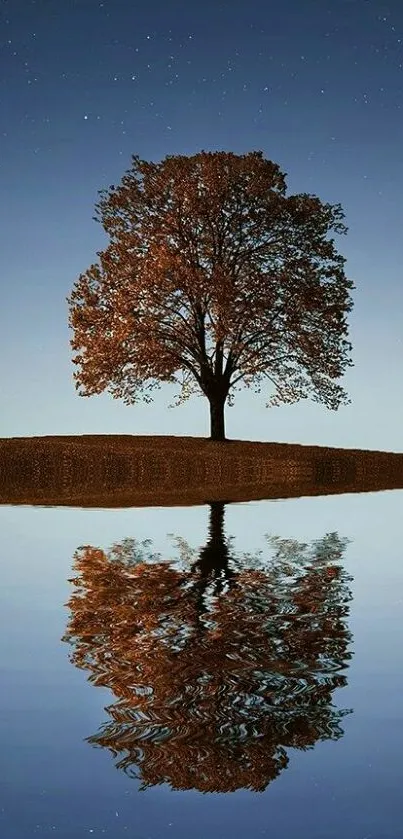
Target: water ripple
(212,684)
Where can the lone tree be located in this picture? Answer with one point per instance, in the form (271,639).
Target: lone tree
(213,276)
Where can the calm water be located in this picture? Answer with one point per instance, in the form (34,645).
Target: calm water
(240,677)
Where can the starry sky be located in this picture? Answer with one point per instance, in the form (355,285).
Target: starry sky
(317,85)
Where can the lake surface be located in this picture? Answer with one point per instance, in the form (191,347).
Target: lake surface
(240,677)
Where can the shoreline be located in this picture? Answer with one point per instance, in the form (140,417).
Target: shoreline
(97,470)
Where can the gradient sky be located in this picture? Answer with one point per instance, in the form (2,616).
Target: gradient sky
(317,85)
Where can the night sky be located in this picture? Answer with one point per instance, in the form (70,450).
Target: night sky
(317,85)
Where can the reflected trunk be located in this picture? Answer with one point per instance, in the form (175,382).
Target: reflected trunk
(212,565)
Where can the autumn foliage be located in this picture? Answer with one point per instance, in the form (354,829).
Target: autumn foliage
(213,277)
(218,665)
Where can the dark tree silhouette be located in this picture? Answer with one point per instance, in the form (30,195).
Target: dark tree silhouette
(213,277)
(219,663)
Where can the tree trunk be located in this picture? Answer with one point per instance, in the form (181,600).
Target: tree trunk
(217,426)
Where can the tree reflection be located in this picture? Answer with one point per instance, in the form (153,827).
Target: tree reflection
(219,663)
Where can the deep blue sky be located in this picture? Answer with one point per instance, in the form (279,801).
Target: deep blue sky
(317,85)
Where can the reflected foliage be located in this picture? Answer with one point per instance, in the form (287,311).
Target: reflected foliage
(219,663)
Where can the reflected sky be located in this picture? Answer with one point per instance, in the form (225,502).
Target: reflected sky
(53,782)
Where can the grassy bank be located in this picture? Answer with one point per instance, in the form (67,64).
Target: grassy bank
(124,470)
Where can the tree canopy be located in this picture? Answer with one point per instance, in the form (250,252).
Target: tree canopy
(219,663)
(213,278)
